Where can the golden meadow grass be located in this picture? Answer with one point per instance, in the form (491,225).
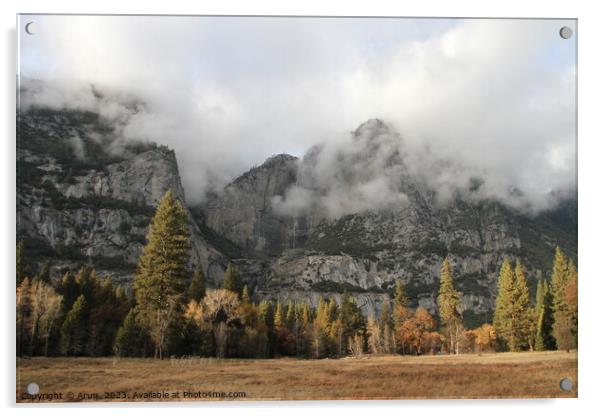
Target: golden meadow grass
(526,374)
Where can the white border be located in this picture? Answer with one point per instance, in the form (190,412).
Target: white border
(590,25)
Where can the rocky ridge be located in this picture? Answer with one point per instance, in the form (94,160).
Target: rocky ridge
(80,197)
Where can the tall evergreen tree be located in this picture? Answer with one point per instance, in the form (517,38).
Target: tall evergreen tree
(278,316)
(448,302)
(69,290)
(23,269)
(571,295)
(162,269)
(543,312)
(232,280)
(352,320)
(197,289)
(562,326)
(246,296)
(511,318)
(44,273)
(305,315)
(74,331)
(131,337)
(291,315)
(401,298)
(266,313)
(321,330)
(266,316)
(87,282)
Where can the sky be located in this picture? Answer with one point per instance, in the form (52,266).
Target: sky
(493,98)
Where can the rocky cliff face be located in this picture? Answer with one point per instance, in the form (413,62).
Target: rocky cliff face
(79,198)
(351,218)
(317,238)
(243,212)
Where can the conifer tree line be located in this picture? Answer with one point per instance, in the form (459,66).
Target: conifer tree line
(170,311)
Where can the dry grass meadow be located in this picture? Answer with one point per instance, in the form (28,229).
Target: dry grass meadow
(502,375)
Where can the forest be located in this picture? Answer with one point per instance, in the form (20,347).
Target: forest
(169,311)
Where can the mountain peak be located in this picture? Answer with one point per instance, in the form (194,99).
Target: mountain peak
(371,126)
(278,159)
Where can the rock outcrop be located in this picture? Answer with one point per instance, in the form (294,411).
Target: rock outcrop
(97,205)
(243,212)
(317,238)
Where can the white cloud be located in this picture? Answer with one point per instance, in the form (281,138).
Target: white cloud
(495,97)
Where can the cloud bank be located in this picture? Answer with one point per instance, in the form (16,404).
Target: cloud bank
(486,99)
(365,171)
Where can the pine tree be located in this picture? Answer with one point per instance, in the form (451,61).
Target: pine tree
(246,296)
(559,277)
(571,295)
(352,320)
(511,318)
(266,316)
(87,282)
(401,299)
(69,290)
(543,312)
(197,287)
(130,339)
(321,330)
(562,327)
(448,302)
(305,315)
(162,270)
(278,316)
(74,331)
(44,273)
(291,315)
(266,313)
(502,315)
(23,270)
(522,301)
(232,281)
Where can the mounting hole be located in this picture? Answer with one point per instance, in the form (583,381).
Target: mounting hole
(30,28)
(566,32)
(566,384)
(33,388)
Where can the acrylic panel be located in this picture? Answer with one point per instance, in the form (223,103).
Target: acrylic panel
(295,208)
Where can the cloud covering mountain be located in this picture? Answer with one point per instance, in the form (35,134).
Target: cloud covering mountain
(487,104)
